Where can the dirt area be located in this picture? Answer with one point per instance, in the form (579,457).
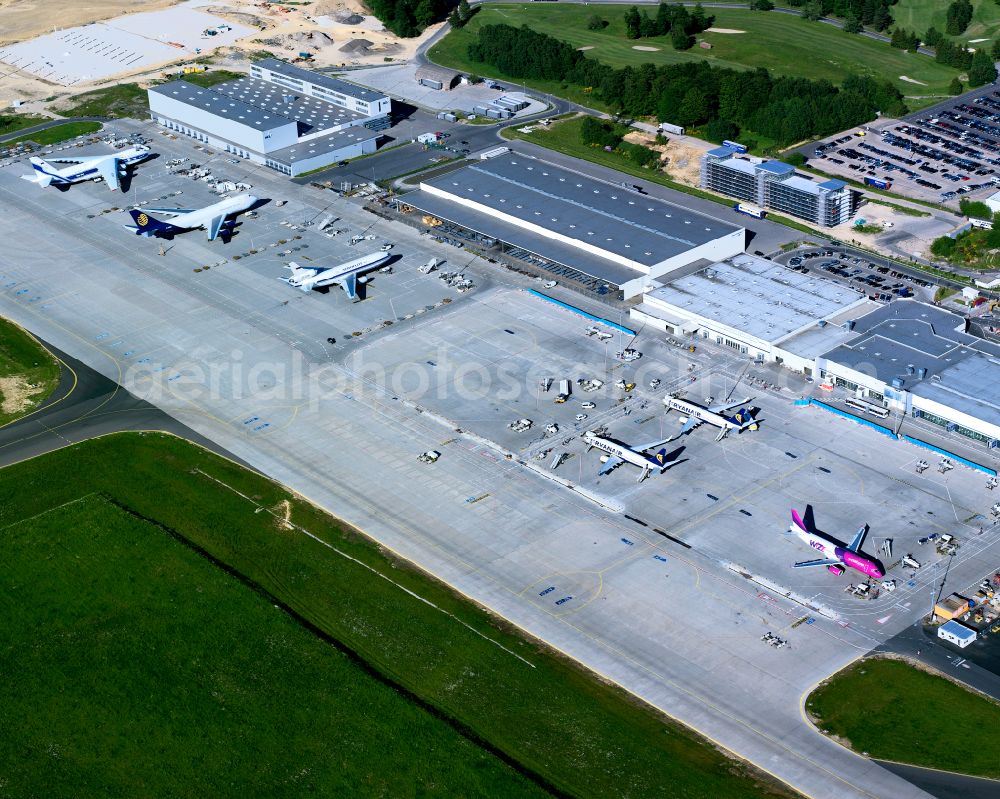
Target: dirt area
(23,19)
(320,29)
(681,160)
(16,394)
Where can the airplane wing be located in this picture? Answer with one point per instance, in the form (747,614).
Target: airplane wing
(215,226)
(609,464)
(108,169)
(69,159)
(728,405)
(688,426)
(652,444)
(858,539)
(174,211)
(820,562)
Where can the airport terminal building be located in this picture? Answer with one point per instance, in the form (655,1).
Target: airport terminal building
(574,225)
(774,185)
(281,116)
(906,356)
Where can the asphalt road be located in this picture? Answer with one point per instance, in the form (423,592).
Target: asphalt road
(944,784)
(86,405)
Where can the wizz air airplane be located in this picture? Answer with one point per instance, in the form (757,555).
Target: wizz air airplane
(347,275)
(618,453)
(715,415)
(108,168)
(834,557)
(211,218)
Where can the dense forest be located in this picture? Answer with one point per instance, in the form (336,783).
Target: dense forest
(786,110)
(409,17)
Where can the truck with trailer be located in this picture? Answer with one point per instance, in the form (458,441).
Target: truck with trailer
(564,391)
(878,183)
(749,210)
(666,127)
(735,145)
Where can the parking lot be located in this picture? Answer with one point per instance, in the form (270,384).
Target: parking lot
(941,156)
(877,281)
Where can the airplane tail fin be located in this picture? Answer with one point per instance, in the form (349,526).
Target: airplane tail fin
(145,225)
(797,521)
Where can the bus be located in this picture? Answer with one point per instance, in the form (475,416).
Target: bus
(740,148)
(749,210)
(867,407)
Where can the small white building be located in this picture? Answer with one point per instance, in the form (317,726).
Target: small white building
(993,202)
(956,633)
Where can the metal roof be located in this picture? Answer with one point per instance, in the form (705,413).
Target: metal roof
(312,113)
(757,296)
(310,148)
(971,386)
(215,102)
(319,79)
(549,249)
(722,152)
(909,335)
(832,184)
(776,167)
(598,214)
(958,630)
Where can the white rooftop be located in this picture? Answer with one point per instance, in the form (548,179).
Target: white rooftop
(757,296)
(90,52)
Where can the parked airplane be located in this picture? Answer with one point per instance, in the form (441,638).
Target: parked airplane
(715,415)
(347,275)
(834,557)
(211,218)
(108,168)
(618,454)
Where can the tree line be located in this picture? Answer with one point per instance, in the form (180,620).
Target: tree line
(979,64)
(873,14)
(727,101)
(408,18)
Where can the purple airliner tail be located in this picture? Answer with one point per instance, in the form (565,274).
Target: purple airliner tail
(797,521)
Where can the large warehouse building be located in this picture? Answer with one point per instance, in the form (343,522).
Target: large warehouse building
(287,118)
(757,307)
(906,356)
(573,224)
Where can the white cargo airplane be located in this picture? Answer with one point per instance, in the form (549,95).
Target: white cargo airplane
(108,168)
(347,275)
(618,454)
(715,415)
(211,218)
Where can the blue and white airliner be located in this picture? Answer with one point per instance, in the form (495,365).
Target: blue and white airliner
(108,168)
(347,275)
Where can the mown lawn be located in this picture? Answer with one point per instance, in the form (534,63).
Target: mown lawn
(28,372)
(919,15)
(894,711)
(784,44)
(58,133)
(135,667)
(544,714)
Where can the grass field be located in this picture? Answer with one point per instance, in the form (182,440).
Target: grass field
(11,123)
(545,715)
(894,711)
(782,43)
(28,373)
(564,137)
(919,15)
(59,133)
(118,102)
(174,679)
(211,77)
